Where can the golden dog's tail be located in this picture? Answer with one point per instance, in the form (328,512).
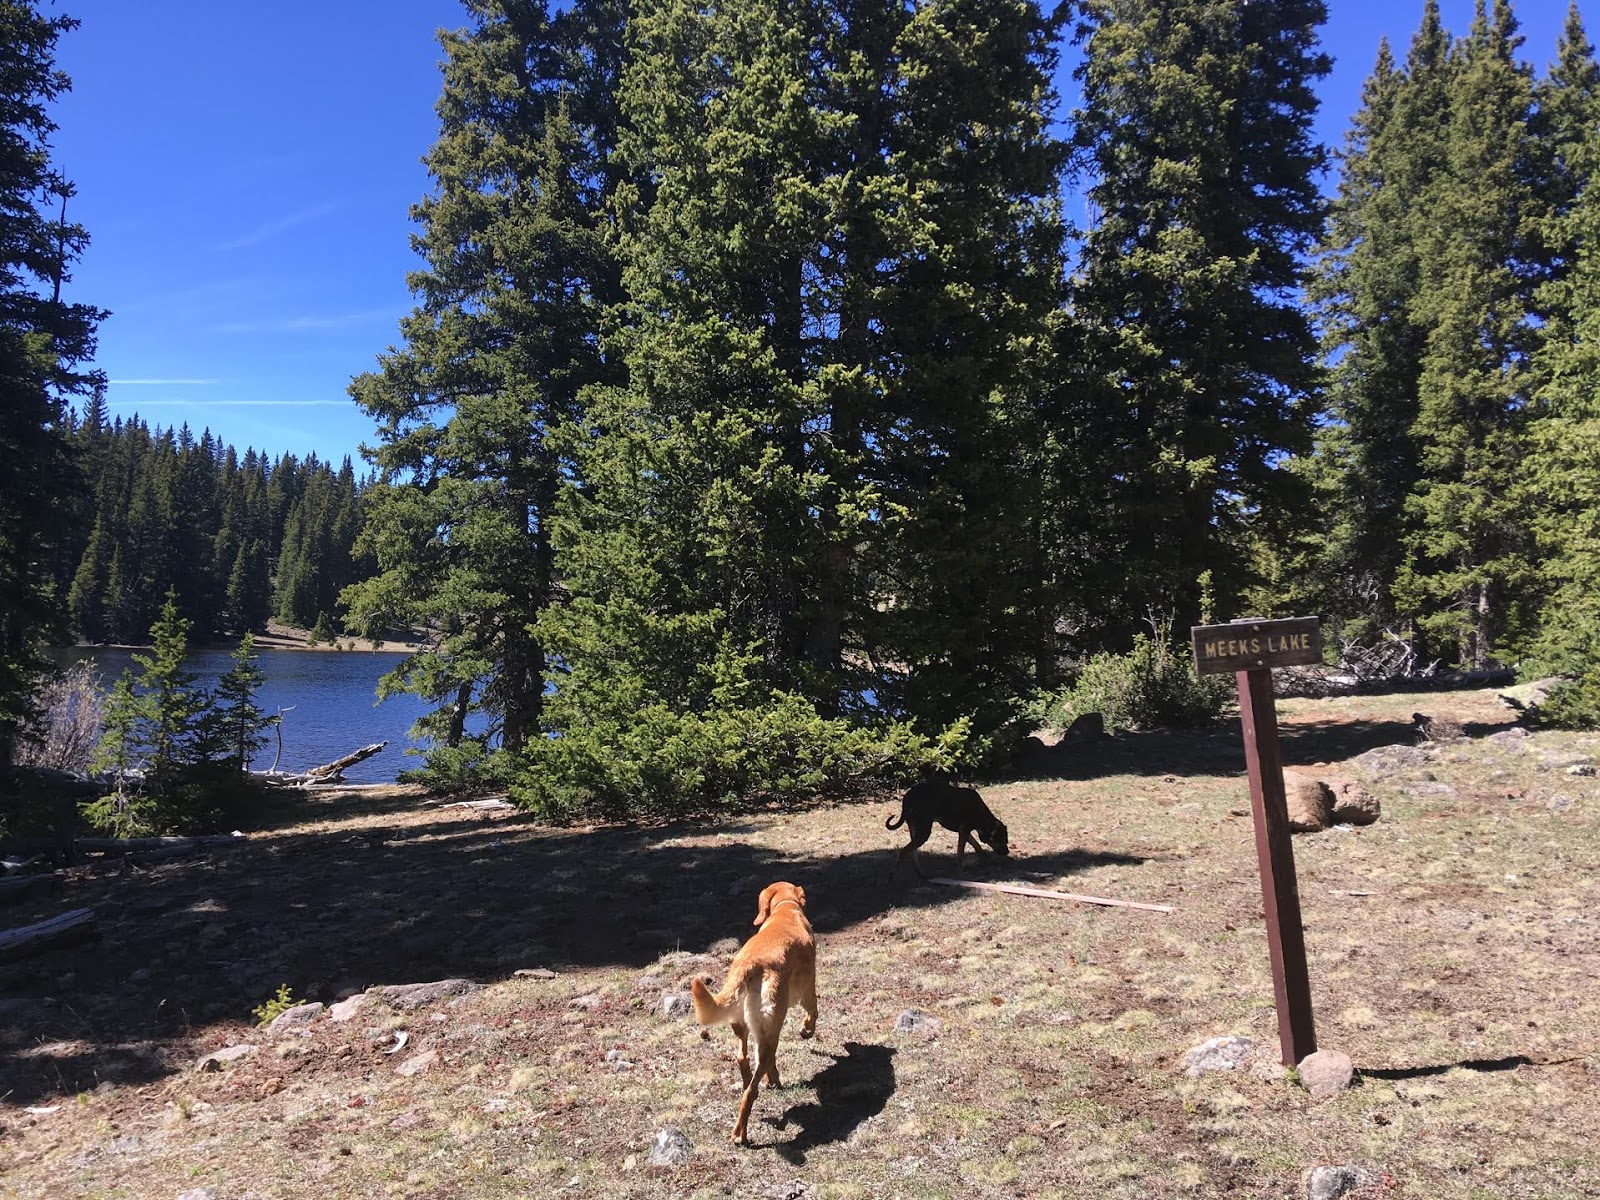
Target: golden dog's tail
(718,1009)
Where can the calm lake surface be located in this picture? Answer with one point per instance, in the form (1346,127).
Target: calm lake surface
(331,694)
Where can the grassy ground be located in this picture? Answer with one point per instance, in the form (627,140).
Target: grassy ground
(1452,948)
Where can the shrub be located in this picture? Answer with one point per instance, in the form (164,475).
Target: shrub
(1153,686)
(1573,704)
(667,763)
(470,767)
(275,1007)
(68,722)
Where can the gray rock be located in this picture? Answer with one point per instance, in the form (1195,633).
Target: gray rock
(1216,1054)
(1352,803)
(1431,788)
(295,1020)
(1558,803)
(1326,1073)
(669,1148)
(675,1004)
(349,1007)
(914,1020)
(1332,1183)
(1509,739)
(200,1193)
(535,973)
(588,1002)
(1585,770)
(409,996)
(218,1059)
(1390,760)
(617,1060)
(418,1063)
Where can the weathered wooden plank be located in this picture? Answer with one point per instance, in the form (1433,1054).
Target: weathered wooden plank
(1044,894)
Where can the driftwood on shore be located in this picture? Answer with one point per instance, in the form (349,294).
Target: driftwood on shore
(327,773)
(66,929)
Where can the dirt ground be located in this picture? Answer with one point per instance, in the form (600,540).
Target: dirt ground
(1453,950)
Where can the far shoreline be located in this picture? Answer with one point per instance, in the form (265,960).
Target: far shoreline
(281,638)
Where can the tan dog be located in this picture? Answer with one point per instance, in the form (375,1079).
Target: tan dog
(776,966)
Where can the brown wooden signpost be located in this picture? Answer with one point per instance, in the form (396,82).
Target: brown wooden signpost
(1250,649)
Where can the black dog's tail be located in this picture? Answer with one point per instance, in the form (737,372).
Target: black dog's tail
(896,822)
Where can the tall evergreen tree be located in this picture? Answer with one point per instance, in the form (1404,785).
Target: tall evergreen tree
(43,339)
(1467,554)
(810,483)
(1560,478)
(504,338)
(1196,135)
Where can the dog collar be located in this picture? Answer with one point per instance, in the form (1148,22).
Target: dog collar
(781,903)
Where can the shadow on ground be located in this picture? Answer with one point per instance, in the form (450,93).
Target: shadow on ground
(852,1088)
(408,897)
(1220,750)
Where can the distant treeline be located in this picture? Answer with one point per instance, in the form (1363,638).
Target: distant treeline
(240,539)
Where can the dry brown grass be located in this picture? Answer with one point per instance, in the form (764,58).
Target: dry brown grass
(1461,982)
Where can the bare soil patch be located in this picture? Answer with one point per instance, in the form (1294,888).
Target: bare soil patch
(1453,948)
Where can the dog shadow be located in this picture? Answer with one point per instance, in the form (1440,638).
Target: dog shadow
(854,1087)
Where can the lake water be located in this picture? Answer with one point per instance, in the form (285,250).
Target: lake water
(331,695)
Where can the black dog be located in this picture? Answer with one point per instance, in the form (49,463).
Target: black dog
(940,802)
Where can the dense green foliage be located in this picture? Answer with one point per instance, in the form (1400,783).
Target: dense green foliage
(175,752)
(240,540)
(1153,686)
(1457,288)
(43,340)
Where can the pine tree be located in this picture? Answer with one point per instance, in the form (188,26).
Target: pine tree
(850,239)
(43,338)
(1202,182)
(171,735)
(503,340)
(233,727)
(1467,553)
(1560,478)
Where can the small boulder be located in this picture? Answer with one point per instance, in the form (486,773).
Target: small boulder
(914,1020)
(587,1002)
(1326,1073)
(418,1063)
(296,1019)
(199,1193)
(1309,801)
(1334,1183)
(409,996)
(1385,761)
(218,1059)
(534,973)
(1216,1054)
(1088,726)
(344,1009)
(1509,739)
(669,1148)
(1352,803)
(674,1005)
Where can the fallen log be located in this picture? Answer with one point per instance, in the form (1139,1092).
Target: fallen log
(20,886)
(99,845)
(338,766)
(481,805)
(67,929)
(1014,890)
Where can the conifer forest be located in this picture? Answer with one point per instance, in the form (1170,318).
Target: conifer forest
(803,393)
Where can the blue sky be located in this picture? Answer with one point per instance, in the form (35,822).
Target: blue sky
(245,173)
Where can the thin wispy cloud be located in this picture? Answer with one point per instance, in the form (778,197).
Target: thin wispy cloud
(164,382)
(307,324)
(282,225)
(247,403)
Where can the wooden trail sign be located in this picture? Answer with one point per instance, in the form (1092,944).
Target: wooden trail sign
(1256,645)
(1250,649)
